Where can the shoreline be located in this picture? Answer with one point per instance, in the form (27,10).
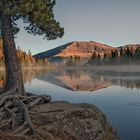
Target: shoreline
(67,121)
(106,68)
(99,68)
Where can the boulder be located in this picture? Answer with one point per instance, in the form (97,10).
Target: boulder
(66,121)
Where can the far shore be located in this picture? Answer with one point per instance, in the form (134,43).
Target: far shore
(111,68)
(32,68)
(95,68)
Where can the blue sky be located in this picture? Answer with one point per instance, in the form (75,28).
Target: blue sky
(112,22)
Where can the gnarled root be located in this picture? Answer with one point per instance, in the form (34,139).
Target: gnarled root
(14,116)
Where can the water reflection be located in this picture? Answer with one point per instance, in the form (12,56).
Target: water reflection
(80,80)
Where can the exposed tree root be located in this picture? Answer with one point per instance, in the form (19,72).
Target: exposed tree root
(14,116)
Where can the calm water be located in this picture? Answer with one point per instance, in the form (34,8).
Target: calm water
(118,95)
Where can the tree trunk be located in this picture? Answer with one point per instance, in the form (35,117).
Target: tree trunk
(14,102)
(12,66)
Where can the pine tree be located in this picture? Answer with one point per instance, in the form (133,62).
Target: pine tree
(137,53)
(39,18)
(122,52)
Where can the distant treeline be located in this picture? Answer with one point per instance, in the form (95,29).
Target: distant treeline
(122,55)
(26,59)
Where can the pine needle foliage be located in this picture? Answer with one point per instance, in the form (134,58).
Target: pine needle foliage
(37,15)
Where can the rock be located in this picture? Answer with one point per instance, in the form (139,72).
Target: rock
(66,121)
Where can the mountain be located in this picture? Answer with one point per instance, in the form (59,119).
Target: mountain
(91,52)
(132,47)
(76,49)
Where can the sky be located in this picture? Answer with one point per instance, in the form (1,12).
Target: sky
(112,22)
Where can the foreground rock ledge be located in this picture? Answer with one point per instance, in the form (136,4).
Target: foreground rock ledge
(66,121)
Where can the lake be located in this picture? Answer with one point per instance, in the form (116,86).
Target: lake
(116,94)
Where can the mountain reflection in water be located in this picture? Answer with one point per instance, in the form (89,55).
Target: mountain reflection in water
(82,80)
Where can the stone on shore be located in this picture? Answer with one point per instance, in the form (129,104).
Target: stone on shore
(66,121)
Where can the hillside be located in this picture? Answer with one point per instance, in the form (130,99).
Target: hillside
(77,52)
(74,52)
(76,49)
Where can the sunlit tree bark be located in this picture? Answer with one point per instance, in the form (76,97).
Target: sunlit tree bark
(12,66)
